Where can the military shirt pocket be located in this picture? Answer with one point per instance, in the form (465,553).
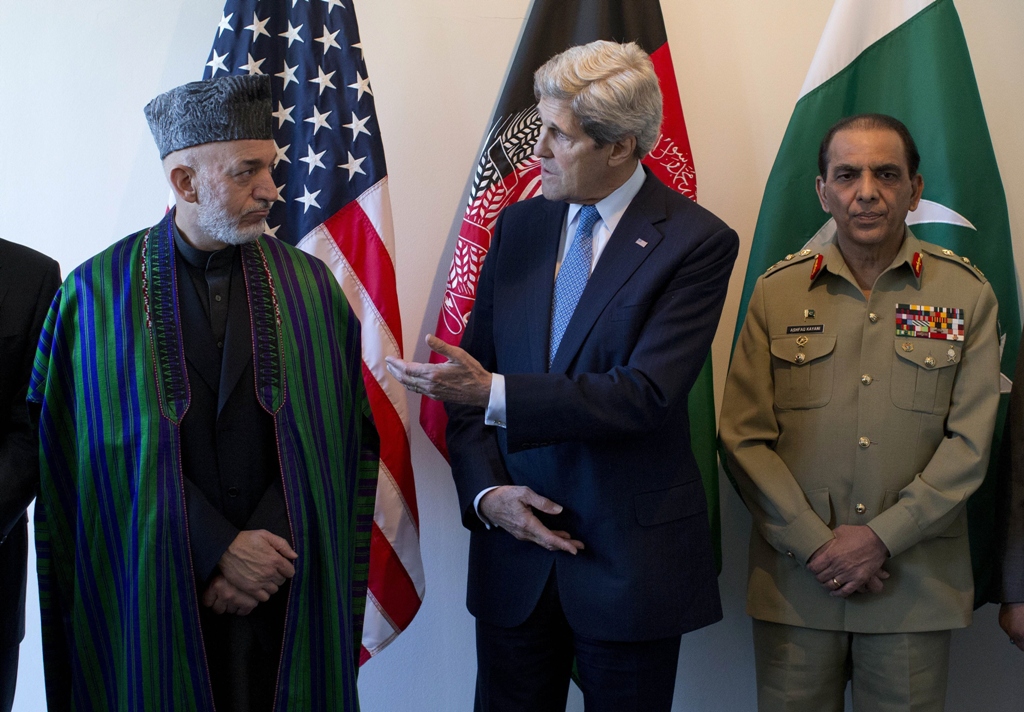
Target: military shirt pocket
(804,368)
(923,371)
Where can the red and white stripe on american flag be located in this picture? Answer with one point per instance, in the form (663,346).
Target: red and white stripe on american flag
(358,245)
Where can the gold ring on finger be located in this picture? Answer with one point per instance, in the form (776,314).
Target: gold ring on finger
(836,583)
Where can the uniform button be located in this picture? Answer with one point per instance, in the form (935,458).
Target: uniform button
(790,554)
(929,362)
(864,442)
(220,344)
(232,491)
(860,509)
(872,317)
(866,379)
(800,358)
(217,297)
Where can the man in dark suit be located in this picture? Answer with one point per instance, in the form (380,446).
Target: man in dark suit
(1010,578)
(28,281)
(568,424)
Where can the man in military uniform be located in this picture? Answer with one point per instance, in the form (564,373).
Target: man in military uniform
(857,418)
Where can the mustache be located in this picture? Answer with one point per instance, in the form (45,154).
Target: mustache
(260,205)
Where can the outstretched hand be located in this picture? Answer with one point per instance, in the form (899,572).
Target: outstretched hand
(460,379)
(511,508)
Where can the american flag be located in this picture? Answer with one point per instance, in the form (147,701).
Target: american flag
(333,202)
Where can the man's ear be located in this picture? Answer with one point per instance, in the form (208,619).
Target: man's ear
(917,183)
(622,151)
(183,183)
(819,188)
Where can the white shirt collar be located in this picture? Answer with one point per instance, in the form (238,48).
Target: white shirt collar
(612,207)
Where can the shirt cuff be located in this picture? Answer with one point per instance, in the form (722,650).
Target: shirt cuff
(476,506)
(495,413)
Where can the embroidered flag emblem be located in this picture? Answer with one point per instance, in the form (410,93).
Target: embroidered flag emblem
(944,323)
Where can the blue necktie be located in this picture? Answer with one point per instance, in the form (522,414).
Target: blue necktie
(572,277)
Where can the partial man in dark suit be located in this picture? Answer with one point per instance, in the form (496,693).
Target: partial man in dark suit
(28,281)
(1010,589)
(568,425)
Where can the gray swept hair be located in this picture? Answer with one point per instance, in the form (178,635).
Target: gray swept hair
(611,89)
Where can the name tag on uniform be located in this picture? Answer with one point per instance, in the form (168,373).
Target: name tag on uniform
(806,329)
(923,322)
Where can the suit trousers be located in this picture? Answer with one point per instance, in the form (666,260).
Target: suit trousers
(527,668)
(806,670)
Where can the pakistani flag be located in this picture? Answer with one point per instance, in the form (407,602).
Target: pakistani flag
(909,59)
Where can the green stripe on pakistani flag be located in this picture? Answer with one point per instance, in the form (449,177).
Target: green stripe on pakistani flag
(704,444)
(909,59)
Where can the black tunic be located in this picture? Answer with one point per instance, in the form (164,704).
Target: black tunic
(231,469)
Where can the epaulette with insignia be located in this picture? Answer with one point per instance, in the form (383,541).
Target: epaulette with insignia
(953,257)
(789,260)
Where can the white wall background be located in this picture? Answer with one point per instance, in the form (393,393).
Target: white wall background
(78,170)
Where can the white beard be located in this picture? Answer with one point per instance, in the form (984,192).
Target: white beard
(214,221)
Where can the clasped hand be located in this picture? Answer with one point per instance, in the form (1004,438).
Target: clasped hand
(851,562)
(511,508)
(254,567)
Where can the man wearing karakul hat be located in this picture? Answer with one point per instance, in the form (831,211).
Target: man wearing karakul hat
(206,446)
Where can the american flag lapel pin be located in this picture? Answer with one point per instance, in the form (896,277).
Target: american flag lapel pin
(642,243)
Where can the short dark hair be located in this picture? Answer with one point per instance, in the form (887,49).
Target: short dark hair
(870,121)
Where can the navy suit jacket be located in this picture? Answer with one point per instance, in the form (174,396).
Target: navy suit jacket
(605,432)
(28,281)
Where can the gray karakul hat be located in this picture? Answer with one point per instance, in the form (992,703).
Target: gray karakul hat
(228,108)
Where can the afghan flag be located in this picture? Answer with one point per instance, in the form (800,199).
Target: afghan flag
(507,172)
(908,59)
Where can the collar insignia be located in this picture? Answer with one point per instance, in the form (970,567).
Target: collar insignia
(916,264)
(816,268)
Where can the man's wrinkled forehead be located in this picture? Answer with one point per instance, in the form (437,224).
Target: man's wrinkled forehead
(856,142)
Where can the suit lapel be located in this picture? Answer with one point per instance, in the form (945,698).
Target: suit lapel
(540,283)
(623,254)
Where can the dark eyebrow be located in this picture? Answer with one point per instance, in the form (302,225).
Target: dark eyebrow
(251,163)
(881,167)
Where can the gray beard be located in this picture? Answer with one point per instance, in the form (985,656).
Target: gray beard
(215,222)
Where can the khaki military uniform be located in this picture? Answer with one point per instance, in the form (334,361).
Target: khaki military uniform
(836,414)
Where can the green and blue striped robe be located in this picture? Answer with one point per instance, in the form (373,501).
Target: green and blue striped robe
(119,606)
